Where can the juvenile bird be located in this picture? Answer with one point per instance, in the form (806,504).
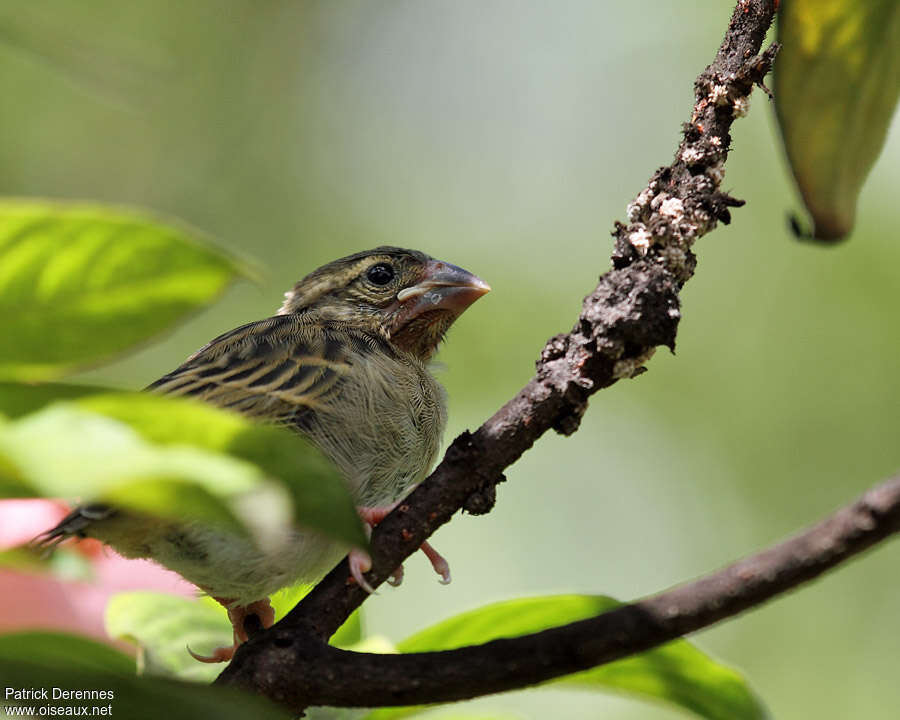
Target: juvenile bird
(344,363)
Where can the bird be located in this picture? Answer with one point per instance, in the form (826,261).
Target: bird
(344,362)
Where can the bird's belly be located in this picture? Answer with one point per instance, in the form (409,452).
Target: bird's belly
(235,568)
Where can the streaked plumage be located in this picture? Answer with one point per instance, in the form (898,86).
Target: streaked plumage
(344,362)
(307,373)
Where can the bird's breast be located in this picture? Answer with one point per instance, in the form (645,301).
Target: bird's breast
(382,425)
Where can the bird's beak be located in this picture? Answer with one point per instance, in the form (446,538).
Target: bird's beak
(443,287)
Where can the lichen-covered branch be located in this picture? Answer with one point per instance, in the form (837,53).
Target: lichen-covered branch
(633,310)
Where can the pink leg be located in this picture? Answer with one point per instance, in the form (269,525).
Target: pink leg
(360,562)
(261,608)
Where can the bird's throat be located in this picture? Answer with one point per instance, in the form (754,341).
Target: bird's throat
(422,335)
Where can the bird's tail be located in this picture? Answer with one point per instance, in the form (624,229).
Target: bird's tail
(72,525)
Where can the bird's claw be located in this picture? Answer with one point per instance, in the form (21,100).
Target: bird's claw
(360,562)
(220,654)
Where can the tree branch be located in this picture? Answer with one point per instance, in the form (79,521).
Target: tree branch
(634,309)
(322,675)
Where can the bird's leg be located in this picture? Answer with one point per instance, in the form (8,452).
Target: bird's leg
(360,562)
(237,615)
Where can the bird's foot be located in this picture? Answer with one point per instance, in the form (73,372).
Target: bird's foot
(238,615)
(360,562)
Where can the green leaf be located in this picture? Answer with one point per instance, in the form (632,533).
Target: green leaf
(17,399)
(98,458)
(176,458)
(837,81)
(677,673)
(52,648)
(79,284)
(71,663)
(350,633)
(316,488)
(163,626)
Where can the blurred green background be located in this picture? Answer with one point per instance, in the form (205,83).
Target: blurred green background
(506,136)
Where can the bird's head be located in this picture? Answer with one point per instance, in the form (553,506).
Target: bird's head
(405,295)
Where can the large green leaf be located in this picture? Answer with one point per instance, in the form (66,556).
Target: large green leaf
(172,457)
(316,488)
(676,673)
(79,284)
(97,458)
(71,663)
(837,81)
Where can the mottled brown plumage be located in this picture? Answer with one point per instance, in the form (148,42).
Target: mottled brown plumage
(343,363)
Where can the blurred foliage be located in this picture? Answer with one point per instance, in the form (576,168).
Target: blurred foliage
(175,458)
(506,138)
(837,81)
(162,625)
(17,399)
(71,663)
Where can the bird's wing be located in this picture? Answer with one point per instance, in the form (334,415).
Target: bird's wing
(283,369)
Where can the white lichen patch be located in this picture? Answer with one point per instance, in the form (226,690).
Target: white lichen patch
(719,95)
(672,207)
(701,222)
(741,106)
(692,155)
(640,240)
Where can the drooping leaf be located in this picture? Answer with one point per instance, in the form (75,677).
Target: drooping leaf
(97,458)
(72,664)
(172,457)
(677,672)
(837,81)
(79,284)
(316,488)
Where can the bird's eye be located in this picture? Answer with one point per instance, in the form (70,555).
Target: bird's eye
(380,274)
